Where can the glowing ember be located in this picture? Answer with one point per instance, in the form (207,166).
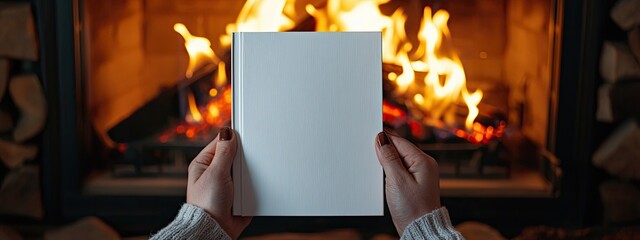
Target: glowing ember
(198,48)
(201,122)
(213,92)
(391,113)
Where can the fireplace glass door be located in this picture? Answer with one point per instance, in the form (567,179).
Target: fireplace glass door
(471,82)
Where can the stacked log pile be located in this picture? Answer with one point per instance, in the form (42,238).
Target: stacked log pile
(23,111)
(619,104)
(20,88)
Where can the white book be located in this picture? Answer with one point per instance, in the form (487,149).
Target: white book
(307,107)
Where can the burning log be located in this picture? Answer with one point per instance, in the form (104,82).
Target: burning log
(619,154)
(625,13)
(160,112)
(28,97)
(618,62)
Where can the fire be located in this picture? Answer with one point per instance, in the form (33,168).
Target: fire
(260,16)
(432,99)
(221,77)
(198,48)
(443,95)
(445,80)
(201,121)
(194,113)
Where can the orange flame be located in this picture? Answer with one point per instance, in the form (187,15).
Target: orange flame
(445,81)
(436,96)
(221,77)
(195,115)
(198,48)
(260,16)
(443,95)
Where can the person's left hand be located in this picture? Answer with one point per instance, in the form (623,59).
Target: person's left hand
(210,186)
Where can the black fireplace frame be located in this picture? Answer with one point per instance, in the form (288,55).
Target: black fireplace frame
(63,152)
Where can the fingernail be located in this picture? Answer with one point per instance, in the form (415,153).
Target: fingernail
(382,139)
(225,134)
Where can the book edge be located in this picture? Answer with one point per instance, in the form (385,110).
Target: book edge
(235,124)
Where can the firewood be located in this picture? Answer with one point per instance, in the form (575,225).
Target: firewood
(617,62)
(634,42)
(626,13)
(20,194)
(26,92)
(618,101)
(619,155)
(4,76)
(621,201)
(154,116)
(14,154)
(17,34)
(625,98)
(604,112)
(6,121)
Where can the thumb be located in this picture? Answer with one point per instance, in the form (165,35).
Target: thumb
(389,157)
(225,152)
(202,161)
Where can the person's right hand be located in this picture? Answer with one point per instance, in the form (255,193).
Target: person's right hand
(210,186)
(411,184)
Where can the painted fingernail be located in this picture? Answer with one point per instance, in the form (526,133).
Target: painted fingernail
(225,134)
(382,139)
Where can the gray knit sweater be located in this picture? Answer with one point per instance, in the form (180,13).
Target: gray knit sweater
(194,223)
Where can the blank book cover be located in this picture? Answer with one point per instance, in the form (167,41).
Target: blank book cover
(307,107)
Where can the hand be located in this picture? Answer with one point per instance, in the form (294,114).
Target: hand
(210,186)
(412,184)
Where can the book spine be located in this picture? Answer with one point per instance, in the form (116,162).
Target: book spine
(236,120)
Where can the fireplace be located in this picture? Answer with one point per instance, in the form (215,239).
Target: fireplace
(469,82)
(145,86)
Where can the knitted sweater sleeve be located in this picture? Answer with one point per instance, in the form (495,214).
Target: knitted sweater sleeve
(192,223)
(433,225)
